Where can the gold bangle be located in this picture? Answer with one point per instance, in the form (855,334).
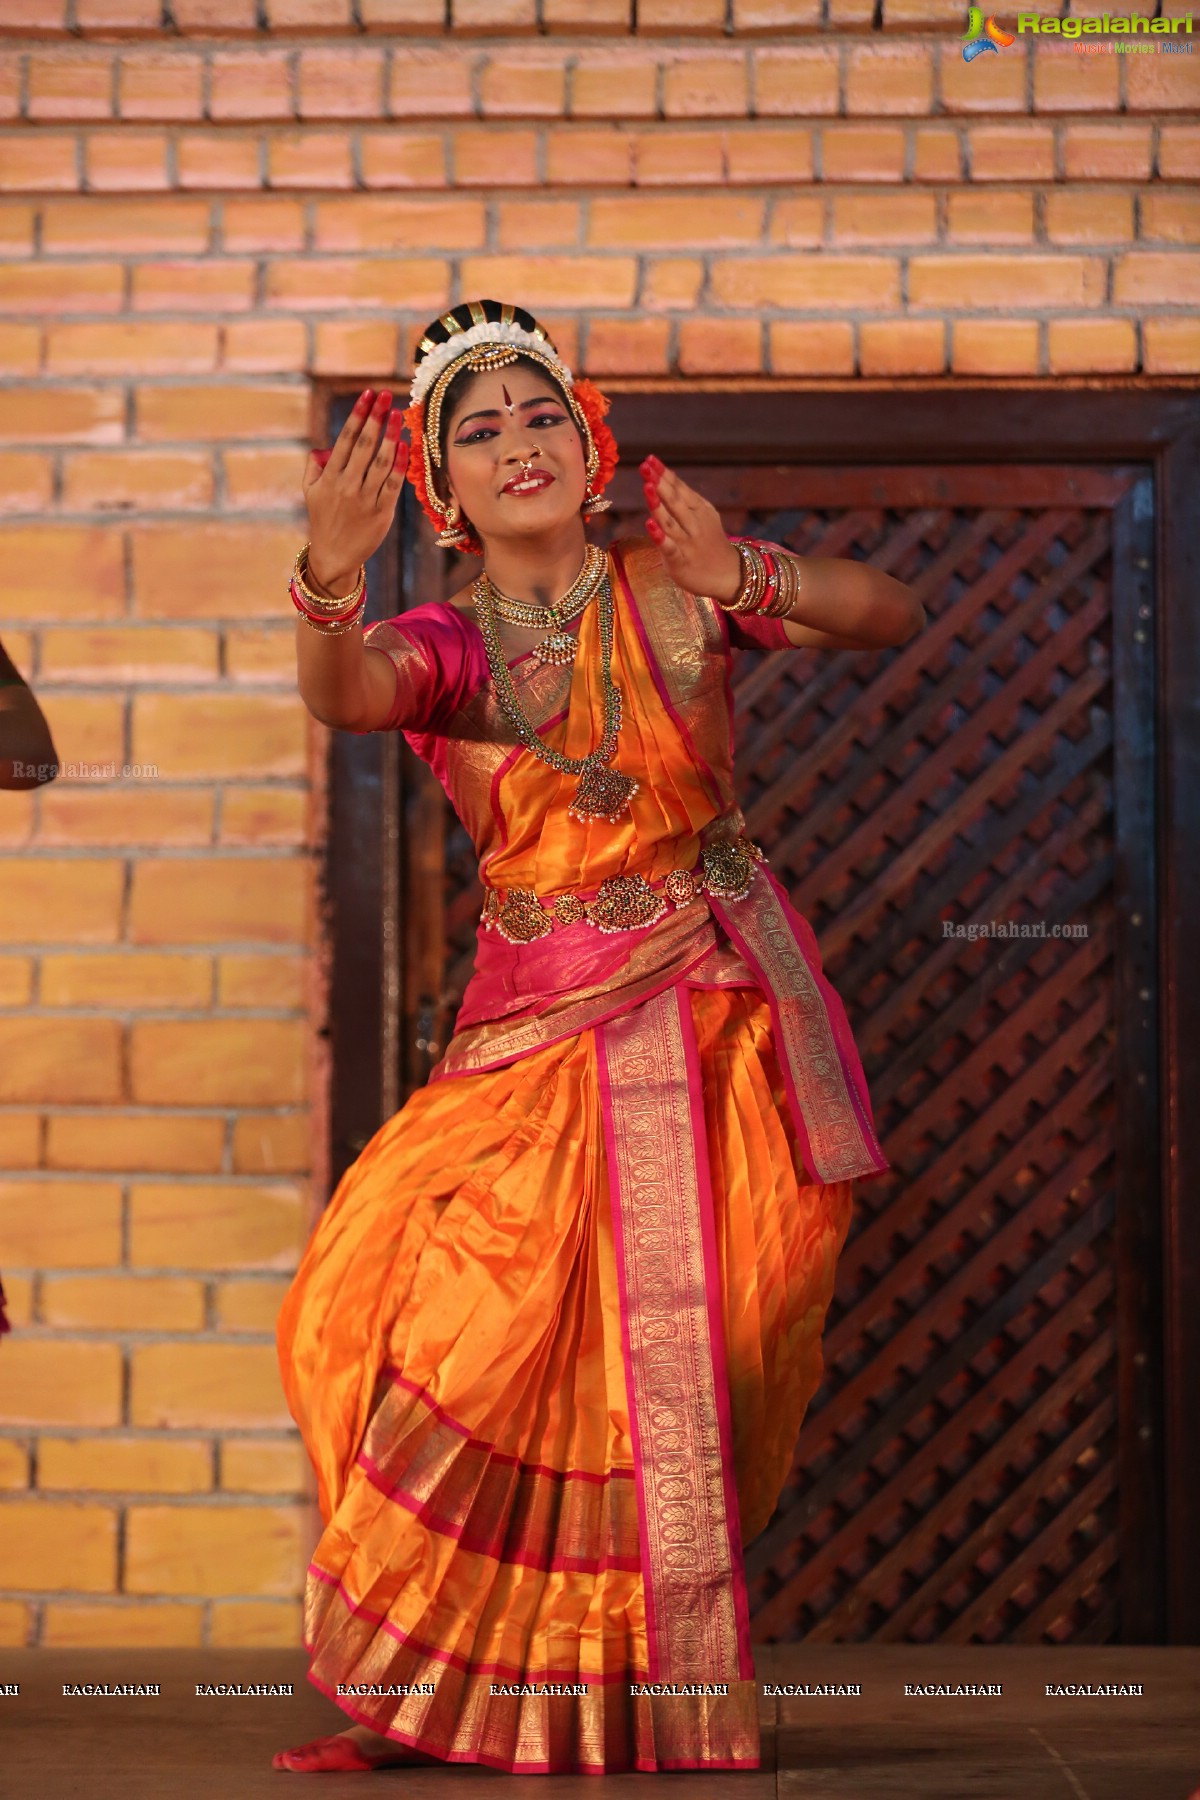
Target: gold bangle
(326,602)
(335,627)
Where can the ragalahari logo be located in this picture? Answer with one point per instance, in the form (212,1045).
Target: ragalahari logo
(983,34)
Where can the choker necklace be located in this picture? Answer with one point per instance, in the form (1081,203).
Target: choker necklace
(602,793)
(558,646)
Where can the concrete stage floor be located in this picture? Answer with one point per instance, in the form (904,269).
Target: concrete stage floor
(882,1745)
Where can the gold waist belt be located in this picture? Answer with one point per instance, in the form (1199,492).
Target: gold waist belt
(624,902)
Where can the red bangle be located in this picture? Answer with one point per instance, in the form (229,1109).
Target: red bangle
(326,618)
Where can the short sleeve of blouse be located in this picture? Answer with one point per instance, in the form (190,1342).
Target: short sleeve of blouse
(431,651)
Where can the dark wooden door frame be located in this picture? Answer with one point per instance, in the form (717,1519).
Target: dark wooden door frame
(1159,427)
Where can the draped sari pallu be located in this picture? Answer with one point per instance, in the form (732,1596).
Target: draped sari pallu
(676,1522)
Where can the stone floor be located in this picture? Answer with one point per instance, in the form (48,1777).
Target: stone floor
(881,1745)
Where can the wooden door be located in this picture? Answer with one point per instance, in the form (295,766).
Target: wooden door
(969,822)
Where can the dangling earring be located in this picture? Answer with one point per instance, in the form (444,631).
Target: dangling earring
(595,503)
(452,535)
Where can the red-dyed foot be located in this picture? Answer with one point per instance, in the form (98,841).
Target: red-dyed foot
(340,1752)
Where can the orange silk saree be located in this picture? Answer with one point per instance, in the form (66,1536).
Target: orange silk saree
(551,1342)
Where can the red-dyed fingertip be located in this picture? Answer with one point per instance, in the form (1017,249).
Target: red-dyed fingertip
(655,530)
(651,495)
(395,424)
(322,457)
(654,466)
(385,397)
(362,404)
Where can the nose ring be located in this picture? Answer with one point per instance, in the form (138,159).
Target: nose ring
(526,466)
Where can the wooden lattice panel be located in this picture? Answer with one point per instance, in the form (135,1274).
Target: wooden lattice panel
(957,1476)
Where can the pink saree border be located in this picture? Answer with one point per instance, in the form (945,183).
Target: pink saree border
(693,1575)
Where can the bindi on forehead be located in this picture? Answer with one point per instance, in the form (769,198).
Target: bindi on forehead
(507,397)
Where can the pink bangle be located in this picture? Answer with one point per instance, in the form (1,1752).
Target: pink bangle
(326,618)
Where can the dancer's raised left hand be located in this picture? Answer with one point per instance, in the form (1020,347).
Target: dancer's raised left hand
(687,529)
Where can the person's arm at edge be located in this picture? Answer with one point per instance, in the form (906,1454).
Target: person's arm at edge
(25,740)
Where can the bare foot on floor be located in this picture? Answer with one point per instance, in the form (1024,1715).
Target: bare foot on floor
(358,1747)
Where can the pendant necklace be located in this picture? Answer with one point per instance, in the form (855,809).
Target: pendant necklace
(558,646)
(602,792)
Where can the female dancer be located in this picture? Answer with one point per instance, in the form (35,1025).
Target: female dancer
(550,1343)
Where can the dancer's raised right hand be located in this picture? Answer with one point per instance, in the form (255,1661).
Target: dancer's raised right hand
(352,499)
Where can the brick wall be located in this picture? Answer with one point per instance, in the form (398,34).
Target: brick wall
(200,216)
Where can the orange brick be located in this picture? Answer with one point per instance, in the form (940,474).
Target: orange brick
(263,477)
(1092,346)
(576,157)
(376,281)
(66,1061)
(17,1618)
(16,229)
(1172,346)
(39,162)
(807,282)
(134,813)
(642,221)
(122,1625)
(615,84)
(126,161)
(129,654)
(889,78)
(264,346)
(62,571)
(41,288)
(1082,217)
(218,1226)
(681,15)
(277,980)
(395,16)
(587,15)
(270,223)
(39,1388)
(236,410)
(862,152)
(431,83)
(400,159)
(156,84)
(364,348)
(1157,278)
(489,157)
(158,1142)
(264,815)
(178,571)
(937,153)
(479,16)
(129,480)
(267,1143)
(1172,215)
(995,347)
(536,224)
(309,15)
(797,82)
(317,159)
(865,218)
(990,84)
(20,646)
(175,1549)
(20,349)
(20,1133)
(205,1385)
(69,85)
(204,900)
(1003,281)
(224,286)
(528,84)
(113,1464)
(1065,81)
(135,979)
(1107,152)
(1162,83)
(1011,152)
(89,734)
(263,1466)
(706,84)
(47,1547)
(666,159)
(221,16)
(250,84)
(249,1303)
(223,159)
(902,346)
(257,654)
(181,226)
(373,222)
(720,346)
(265,1624)
(673,282)
(628,347)
(342,83)
(41,18)
(1178,152)
(850,15)
(978,217)
(608,281)
(220,734)
(44,1223)
(215,1062)
(769,153)
(18,821)
(143,347)
(10,85)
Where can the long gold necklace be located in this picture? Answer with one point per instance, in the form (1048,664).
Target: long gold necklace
(602,793)
(558,646)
